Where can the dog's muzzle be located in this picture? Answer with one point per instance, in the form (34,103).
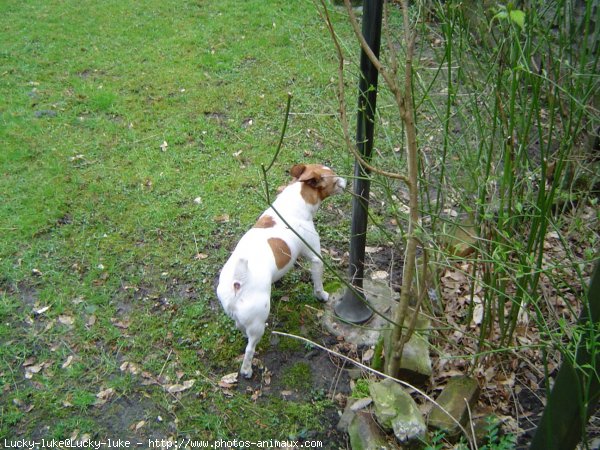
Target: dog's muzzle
(340,185)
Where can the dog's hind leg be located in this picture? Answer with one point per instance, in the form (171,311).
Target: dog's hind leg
(254,333)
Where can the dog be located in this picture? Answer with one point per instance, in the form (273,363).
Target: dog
(268,251)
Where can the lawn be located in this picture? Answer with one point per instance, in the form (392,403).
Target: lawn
(133,135)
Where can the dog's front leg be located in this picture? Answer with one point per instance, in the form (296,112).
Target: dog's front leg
(316,271)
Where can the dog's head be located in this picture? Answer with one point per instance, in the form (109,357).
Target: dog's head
(318,182)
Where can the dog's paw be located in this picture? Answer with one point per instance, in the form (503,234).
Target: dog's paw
(246,372)
(322,295)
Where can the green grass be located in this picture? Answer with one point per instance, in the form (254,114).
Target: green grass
(99,223)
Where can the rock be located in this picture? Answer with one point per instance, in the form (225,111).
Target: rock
(365,434)
(461,238)
(415,366)
(352,407)
(347,416)
(395,409)
(452,399)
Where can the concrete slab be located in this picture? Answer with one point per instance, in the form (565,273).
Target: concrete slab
(381,298)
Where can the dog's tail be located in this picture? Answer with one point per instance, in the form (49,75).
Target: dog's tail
(240,273)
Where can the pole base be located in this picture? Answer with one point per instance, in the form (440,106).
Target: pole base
(353,308)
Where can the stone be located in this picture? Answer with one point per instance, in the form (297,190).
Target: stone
(365,434)
(415,366)
(396,410)
(352,407)
(461,238)
(452,399)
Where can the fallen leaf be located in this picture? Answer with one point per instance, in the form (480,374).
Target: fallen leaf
(361,403)
(478,314)
(66,320)
(129,367)
(229,380)
(223,218)
(266,377)
(164,146)
(91,320)
(454,275)
(340,399)
(68,362)
(368,355)
(30,371)
(139,425)
(507,380)
(41,310)
(174,388)
(148,379)
(123,324)
(29,361)
(49,325)
(103,396)
(379,275)
(200,256)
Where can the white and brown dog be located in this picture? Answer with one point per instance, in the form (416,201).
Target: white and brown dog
(267,251)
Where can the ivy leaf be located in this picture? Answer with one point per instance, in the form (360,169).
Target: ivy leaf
(518,17)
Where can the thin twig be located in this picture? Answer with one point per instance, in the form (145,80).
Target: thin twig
(165,364)
(471,423)
(278,149)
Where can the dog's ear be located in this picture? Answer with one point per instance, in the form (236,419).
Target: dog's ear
(297,170)
(307,175)
(313,179)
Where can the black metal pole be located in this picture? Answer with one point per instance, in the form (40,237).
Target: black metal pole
(354,307)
